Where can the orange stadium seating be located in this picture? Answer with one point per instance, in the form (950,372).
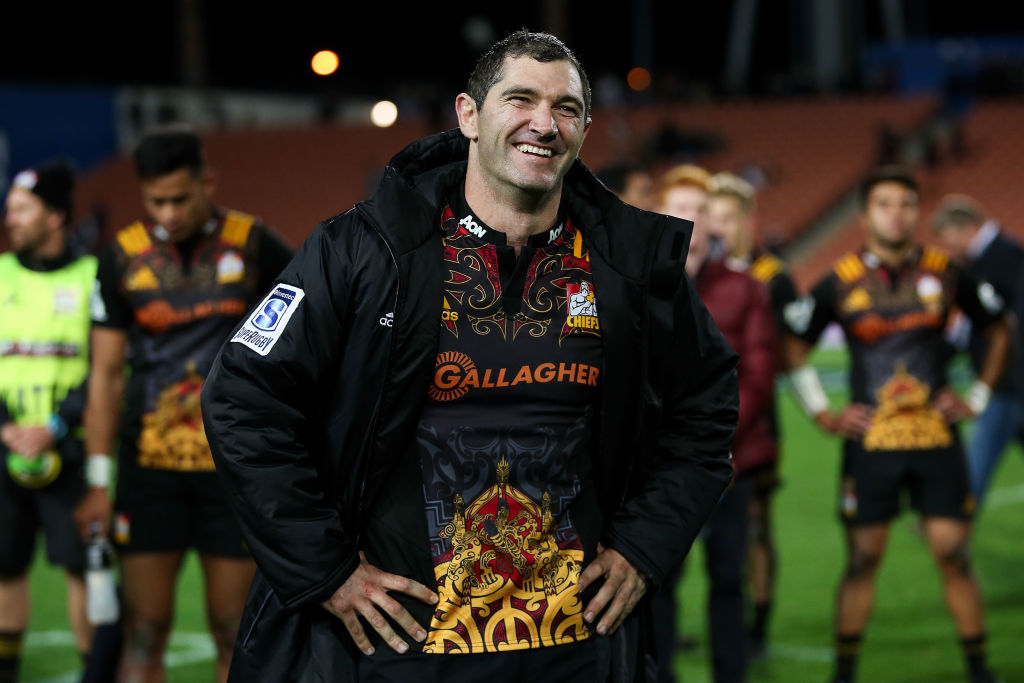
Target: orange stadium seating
(812,150)
(989,171)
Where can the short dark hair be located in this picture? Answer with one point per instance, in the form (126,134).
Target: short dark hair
(886,174)
(615,175)
(167,149)
(542,47)
(958,211)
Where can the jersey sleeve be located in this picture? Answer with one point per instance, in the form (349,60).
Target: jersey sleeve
(272,256)
(110,308)
(808,316)
(781,292)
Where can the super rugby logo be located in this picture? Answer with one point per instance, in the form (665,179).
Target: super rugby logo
(273,309)
(262,330)
(456,373)
(472,226)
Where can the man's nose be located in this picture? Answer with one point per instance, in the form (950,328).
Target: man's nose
(165,214)
(543,122)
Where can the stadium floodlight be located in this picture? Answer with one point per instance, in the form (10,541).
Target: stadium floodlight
(639,78)
(324,63)
(384,114)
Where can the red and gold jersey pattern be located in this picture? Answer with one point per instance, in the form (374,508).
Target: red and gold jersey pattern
(504,441)
(894,320)
(178,302)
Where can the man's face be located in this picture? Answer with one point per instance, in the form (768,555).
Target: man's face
(728,223)
(179,201)
(639,191)
(530,127)
(956,240)
(29,221)
(891,214)
(691,203)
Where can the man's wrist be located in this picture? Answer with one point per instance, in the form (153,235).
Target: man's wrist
(977,397)
(809,392)
(98,467)
(826,420)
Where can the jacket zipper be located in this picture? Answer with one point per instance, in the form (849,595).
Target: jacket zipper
(387,361)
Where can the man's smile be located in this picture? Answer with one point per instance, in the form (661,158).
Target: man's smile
(536,151)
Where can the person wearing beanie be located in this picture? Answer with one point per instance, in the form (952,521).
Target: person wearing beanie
(44,337)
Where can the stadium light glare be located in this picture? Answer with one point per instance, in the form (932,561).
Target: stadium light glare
(384,114)
(324,63)
(639,78)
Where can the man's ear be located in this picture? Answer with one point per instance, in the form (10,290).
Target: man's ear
(465,109)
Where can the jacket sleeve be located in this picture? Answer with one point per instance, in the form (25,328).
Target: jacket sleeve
(690,462)
(259,404)
(757,358)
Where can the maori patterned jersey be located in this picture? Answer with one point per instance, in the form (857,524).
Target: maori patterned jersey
(179,303)
(504,439)
(894,321)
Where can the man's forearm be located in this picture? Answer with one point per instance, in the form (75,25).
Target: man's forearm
(102,410)
(997,356)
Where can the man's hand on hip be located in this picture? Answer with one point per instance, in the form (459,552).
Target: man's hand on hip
(952,407)
(852,422)
(364,593)
(623,587)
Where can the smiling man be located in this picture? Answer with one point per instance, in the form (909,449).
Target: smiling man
(430,428)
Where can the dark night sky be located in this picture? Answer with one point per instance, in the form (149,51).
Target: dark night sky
(384,45)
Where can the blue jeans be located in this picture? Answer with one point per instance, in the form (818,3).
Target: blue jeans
(991,432)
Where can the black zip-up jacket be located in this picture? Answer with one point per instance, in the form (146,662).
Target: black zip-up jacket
(304,436)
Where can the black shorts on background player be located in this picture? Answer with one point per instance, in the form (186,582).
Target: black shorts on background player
(24,511)
(872,485)
(158,510)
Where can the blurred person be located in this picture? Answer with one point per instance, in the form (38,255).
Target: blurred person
(741,308)
(732,206)
(893,299)
(168,292)
(631,182)
(44,362)
(688,199)
(995,259)
(433,419)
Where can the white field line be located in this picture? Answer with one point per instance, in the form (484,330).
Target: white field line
(184,648)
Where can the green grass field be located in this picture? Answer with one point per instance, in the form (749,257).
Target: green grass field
(910,637)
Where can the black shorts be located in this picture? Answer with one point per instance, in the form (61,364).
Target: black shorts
(166,511)
(24,511)
(875,483)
